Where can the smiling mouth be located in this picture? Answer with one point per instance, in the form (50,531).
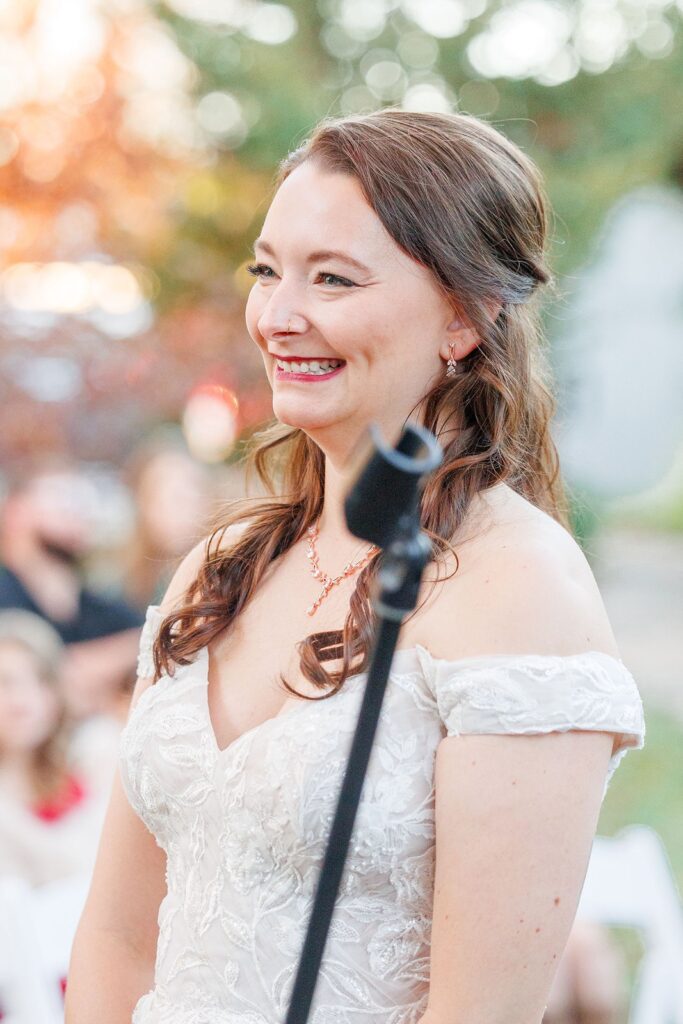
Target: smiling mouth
(308,367)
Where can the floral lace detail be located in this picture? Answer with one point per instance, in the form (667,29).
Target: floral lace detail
(147,636)
(528,693)
(244,828)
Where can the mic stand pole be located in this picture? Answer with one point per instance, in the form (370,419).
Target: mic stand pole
(399,579)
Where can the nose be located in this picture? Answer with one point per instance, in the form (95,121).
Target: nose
(281,315)
(280,323)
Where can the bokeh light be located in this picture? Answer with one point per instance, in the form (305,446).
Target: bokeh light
(521,40)
(272,24)
(220,114)
(269,23)
(441,18)
(62,287)
(363,20)
(209,422)
(428,96)
(418,50)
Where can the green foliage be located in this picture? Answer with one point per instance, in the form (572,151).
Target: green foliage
(584,516)
(594,137)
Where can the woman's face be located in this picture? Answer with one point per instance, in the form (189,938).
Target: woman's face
(28,705)
(333,285)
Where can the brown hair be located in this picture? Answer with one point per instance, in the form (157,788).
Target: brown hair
(49,763)
(465,202)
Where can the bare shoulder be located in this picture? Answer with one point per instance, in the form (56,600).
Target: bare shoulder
(523,538)
(523,586)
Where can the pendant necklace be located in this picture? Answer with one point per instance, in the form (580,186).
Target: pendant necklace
(327,581)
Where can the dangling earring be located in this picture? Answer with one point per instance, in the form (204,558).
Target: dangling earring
(452,363)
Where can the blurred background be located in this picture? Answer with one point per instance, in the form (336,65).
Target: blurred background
(138,143)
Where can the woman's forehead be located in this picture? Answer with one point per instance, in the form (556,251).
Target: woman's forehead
(316,209)
(318,201)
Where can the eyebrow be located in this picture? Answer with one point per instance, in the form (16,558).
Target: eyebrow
(319,255)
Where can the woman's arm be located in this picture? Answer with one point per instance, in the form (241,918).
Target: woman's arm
(114,951)
(515,814)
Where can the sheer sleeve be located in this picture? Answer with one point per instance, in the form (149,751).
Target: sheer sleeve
(527,694)
(153,619)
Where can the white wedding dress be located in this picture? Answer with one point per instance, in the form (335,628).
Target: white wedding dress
(244,828)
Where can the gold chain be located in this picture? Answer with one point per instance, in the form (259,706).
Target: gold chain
(327,581)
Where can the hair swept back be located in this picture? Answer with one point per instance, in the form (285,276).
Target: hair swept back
(466,203)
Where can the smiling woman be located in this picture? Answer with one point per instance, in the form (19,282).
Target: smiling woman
(353,304)
(395,277)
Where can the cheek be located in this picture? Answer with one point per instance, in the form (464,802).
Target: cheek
(358,331)
(377,338)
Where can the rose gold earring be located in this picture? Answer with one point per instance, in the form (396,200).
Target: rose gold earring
(452,363)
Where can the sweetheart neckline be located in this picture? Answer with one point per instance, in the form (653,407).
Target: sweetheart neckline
(414,650)
(281,714)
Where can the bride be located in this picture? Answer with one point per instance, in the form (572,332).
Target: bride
(396,276)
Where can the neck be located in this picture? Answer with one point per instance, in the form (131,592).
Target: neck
(332,521)
(342,462)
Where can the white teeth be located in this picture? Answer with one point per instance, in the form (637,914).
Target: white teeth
(314,366)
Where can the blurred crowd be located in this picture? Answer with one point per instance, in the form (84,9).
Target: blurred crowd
(70,619)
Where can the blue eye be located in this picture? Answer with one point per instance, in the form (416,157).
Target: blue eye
(335,279)
(262,270)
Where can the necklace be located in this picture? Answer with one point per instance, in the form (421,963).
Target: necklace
(327,581)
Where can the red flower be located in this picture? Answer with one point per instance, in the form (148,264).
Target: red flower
(71,794)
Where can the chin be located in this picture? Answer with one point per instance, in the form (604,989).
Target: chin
(303,419)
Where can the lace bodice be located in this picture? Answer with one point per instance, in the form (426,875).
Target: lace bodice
(244,828)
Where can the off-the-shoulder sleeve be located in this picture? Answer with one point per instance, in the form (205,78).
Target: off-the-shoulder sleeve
(528,694)
(153,619)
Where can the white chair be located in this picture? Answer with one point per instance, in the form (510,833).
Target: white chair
(37,928)
(629,883)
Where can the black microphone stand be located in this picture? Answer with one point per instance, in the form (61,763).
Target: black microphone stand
(382,507)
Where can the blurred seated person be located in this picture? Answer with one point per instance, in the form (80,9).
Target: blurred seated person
(51,810)
(591,983)
(46,534)
(172,493)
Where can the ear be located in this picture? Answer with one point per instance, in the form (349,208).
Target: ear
(463,337)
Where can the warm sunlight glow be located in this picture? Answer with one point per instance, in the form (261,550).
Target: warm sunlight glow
(61,287)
